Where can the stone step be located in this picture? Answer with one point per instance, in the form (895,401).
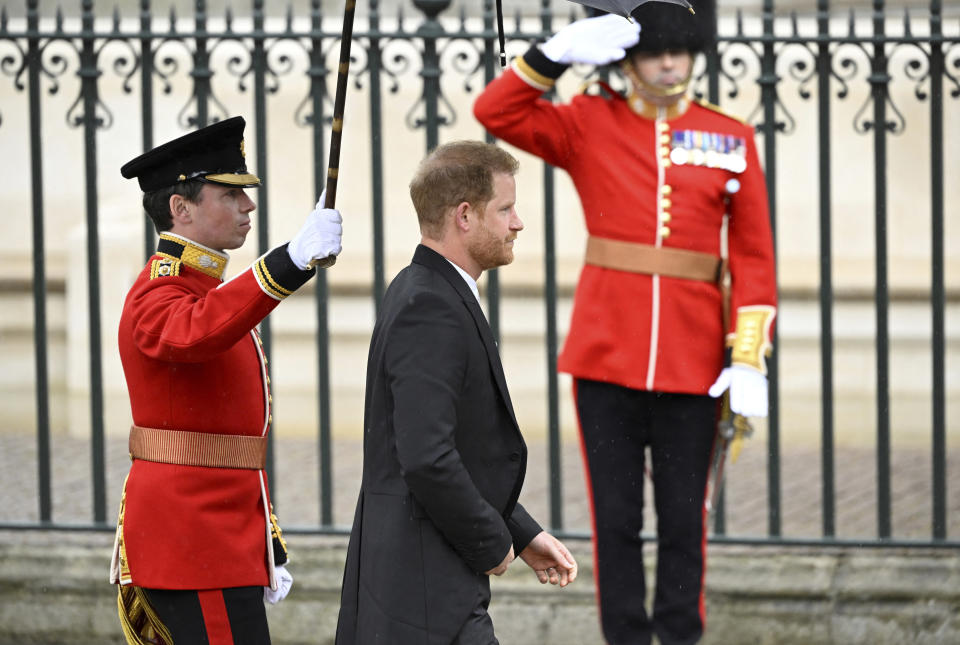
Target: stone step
(53,589)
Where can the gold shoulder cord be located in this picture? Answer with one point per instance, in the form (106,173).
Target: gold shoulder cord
(141,625)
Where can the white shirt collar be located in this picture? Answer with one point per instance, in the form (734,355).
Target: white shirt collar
(468,279)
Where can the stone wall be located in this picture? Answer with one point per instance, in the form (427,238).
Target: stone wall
(53,589)
(294,378)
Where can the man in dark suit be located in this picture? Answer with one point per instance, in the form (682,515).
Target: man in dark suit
(444,460)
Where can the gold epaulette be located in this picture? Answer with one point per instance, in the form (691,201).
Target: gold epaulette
(162,267)
(719,110)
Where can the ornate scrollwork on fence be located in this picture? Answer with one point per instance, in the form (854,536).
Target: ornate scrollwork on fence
(12,65)
(952,56)
(735,67)
(457,48)
(303,114)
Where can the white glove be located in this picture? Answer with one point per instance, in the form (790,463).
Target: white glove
(596,41)
(284,582)
(748,390)
(318,238)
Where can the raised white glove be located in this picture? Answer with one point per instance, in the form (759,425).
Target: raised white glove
(284,582)
(318,238)
(748,390)
(596,41)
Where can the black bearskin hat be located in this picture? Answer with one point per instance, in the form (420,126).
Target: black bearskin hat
(671,27)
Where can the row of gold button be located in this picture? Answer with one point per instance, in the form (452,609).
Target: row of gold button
(666,189)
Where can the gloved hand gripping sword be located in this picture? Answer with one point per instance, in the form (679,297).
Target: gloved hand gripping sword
(732,429)
(742,386)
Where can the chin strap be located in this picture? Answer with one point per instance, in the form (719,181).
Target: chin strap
(656,91)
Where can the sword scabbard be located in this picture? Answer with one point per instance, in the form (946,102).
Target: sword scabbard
(732,429)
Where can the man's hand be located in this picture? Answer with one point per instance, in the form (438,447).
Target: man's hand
(502,567)
(318,238)
(550,560)
(748,390)
(284,582)
(596,41)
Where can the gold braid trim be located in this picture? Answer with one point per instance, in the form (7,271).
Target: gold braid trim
(124,566)
(164,267)
(267,281)
(276,532)
(532,77)
(752,342)
(196,256)
(141,624)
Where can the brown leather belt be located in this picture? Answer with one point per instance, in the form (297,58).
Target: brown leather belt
(185,448)
(634,257)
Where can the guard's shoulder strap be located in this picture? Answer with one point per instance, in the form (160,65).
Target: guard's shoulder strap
(164,266)
(716,108)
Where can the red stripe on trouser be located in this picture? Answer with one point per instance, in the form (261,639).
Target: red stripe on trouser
(593,515)
(215,619)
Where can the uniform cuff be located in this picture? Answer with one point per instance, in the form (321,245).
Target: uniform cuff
(538,70)
(277,275)
(752,343)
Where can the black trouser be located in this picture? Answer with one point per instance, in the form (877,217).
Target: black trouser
(214,617)
(616,425)
(478,628)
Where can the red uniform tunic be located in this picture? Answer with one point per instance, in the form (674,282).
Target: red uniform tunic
(193,361)
(660,177)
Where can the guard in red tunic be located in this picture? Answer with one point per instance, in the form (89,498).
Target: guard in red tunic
(198,548)
(658,174)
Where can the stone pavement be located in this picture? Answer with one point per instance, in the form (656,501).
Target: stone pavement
(296,483)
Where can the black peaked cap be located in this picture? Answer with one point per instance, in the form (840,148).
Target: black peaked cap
(213,154)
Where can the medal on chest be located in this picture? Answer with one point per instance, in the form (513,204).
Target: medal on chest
(709,150)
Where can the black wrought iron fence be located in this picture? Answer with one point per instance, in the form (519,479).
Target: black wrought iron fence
(821,56)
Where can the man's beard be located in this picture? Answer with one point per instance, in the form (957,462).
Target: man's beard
(490,251)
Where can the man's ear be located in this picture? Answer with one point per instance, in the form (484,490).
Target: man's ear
(179,209)
(461,216)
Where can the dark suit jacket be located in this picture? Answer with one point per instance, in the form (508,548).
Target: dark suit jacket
(443,463)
